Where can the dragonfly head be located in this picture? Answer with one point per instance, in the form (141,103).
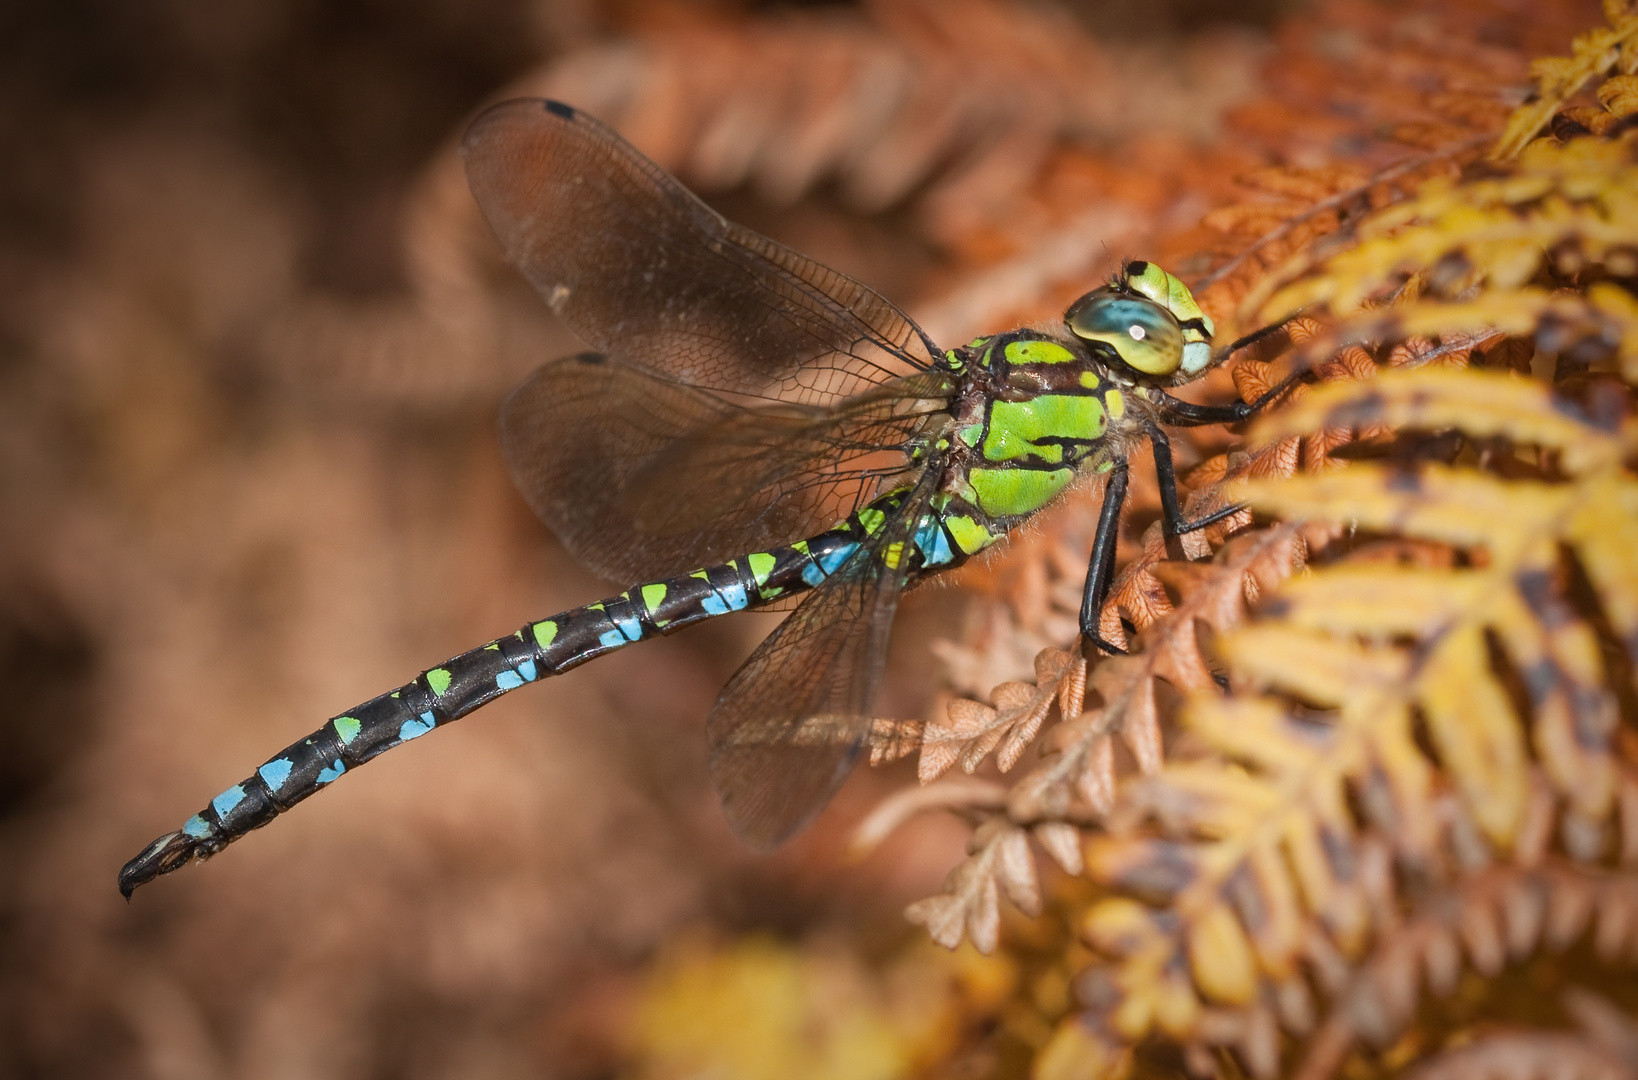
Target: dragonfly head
(1146,321)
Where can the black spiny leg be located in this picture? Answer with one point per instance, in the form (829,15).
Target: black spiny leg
(1100,570)
(1181,413)
(1166,474)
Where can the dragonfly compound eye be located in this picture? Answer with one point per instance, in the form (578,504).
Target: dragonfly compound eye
(1143,334)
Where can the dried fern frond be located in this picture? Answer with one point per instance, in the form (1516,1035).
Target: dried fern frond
(1571,205)
(1423,774)
(967,97)
(1558,78)
(1373,747)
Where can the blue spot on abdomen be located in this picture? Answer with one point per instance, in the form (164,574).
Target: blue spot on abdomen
(934,545)
(414,729)
(275,772)
(508,680)
(331,771)
(227,800)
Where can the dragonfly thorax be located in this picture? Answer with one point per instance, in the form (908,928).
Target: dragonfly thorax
(1037,406)
(1034,409)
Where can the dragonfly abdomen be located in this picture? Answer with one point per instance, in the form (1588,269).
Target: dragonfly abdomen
(445,693)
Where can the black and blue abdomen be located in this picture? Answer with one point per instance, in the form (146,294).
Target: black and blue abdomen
(466,682)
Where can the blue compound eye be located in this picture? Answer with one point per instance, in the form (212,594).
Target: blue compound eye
(1143,334)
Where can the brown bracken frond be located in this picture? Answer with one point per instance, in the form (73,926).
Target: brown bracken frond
(1557,78)
(1398,694)
(1398,738)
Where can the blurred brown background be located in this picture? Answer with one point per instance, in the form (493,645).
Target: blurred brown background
(252,338)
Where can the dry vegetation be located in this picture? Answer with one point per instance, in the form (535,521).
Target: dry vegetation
(1362,801)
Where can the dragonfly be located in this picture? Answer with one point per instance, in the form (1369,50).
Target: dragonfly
(751,430)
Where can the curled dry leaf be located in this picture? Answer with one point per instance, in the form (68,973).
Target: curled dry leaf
(999,860)
(971,729)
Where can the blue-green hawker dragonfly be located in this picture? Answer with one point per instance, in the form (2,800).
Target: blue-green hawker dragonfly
(754,427)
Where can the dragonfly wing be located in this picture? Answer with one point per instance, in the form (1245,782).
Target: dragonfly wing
(789,725)
(643,476)
(646,272)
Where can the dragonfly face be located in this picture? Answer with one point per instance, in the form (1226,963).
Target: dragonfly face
(1148,322)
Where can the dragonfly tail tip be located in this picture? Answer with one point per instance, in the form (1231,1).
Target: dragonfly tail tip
(170,852)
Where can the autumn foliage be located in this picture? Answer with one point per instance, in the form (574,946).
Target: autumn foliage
(1365,794)
(1360,801)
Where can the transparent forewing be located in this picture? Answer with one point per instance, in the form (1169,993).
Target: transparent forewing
(646,273)
(644,477)
(791,722)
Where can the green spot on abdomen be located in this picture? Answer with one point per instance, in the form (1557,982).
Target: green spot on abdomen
(761,564)
(1011,492)
(653,595)
(438,679)
(347,728)
(969,535)
(545,633)
(872,519)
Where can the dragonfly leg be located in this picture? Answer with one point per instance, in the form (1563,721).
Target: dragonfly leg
(1175,525)
(1180,413)
(1166,474)
(1100,570)
(1187,414)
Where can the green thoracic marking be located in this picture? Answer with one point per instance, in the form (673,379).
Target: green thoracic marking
(1012,492)
(652,595)
(762,565)
(1016,425)
(438,679)
(970,434)
(545,633)
(969,535)
(1038,352)
(1115,402)
(347,727)
(872,519)
(1090,380)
